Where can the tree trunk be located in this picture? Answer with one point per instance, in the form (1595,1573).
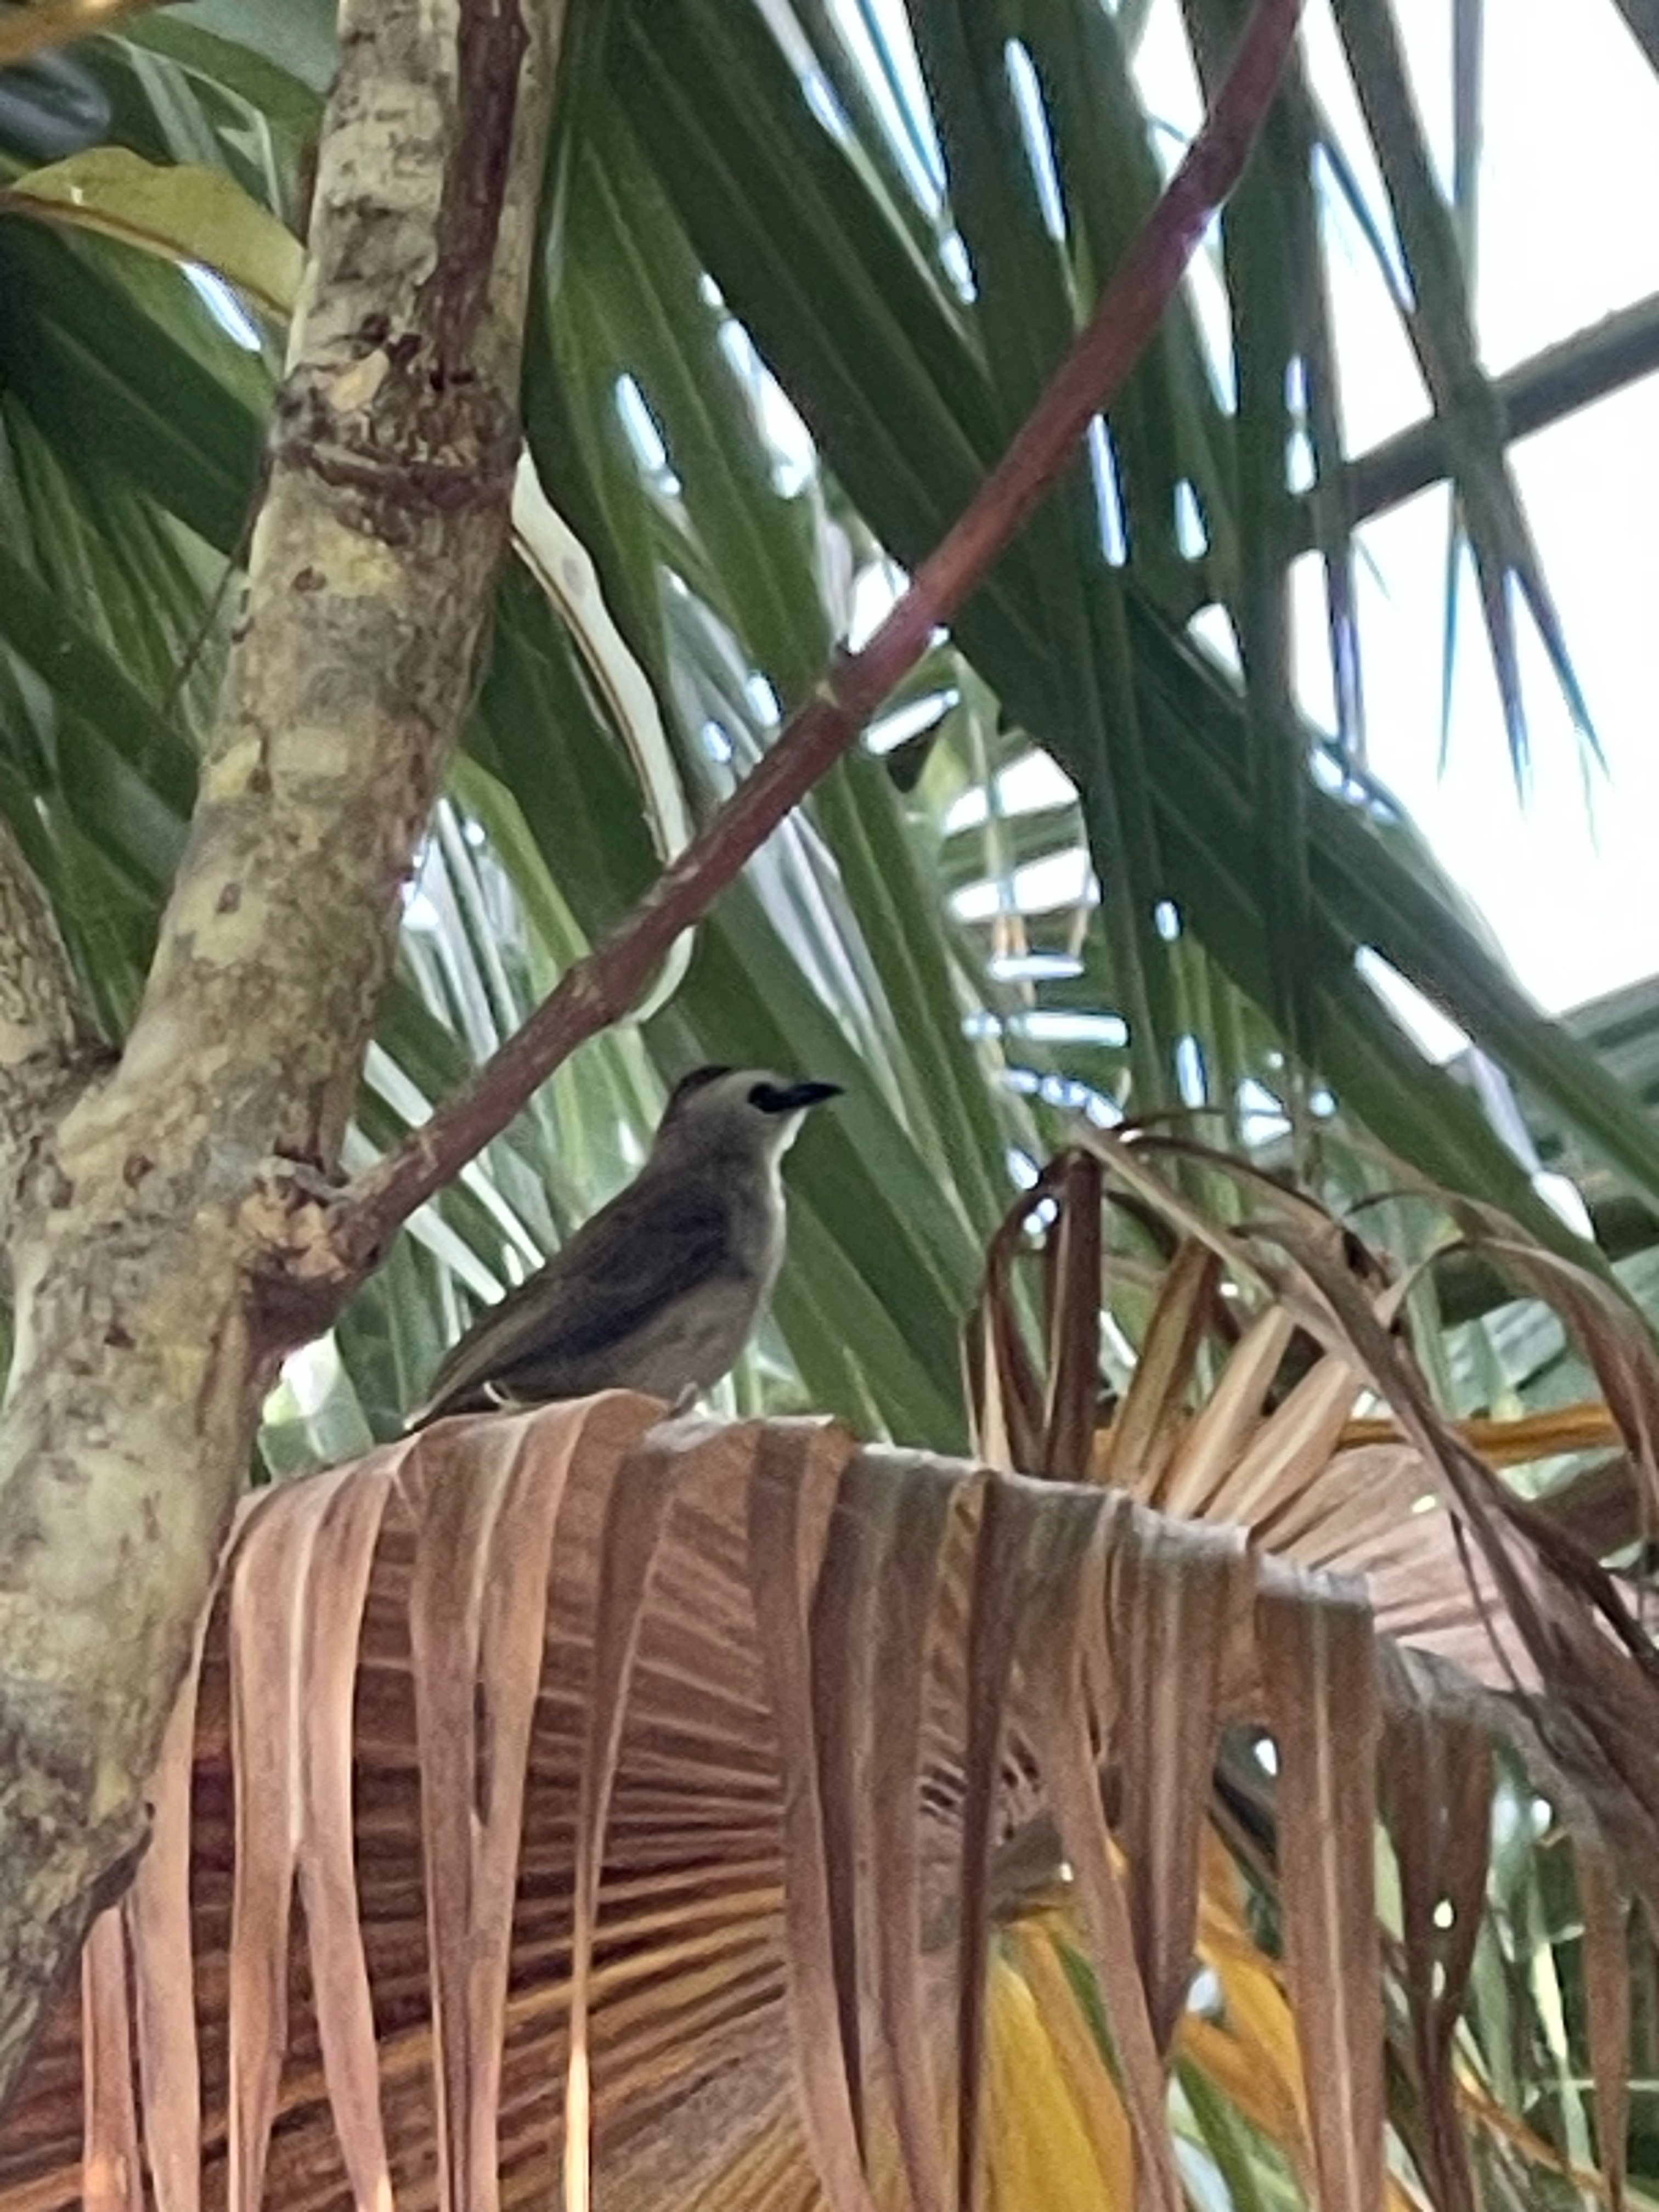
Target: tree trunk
(151,1200)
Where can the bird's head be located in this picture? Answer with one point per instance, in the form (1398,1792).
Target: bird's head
(750,1109)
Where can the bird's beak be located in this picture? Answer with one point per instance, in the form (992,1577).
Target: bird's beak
(792,1095)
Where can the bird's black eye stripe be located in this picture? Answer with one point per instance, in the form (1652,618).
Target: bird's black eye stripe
(790,1097)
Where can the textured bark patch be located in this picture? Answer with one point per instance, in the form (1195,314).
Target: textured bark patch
(493,44)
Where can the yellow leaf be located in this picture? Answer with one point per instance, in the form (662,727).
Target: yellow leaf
(182,212)
(1032,1949)
(1037,2150)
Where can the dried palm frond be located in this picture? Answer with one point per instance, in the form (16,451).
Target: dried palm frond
(1478,1591)
(733,1816)
(664,1791)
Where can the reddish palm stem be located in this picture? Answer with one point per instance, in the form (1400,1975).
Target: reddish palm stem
(598,990)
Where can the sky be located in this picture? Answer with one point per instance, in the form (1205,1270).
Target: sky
(1567,874)
(1563,867)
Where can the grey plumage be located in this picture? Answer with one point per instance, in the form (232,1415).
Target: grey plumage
(660,1290)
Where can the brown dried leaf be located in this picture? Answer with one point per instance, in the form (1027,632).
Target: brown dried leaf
(1175,1593)
(157,1911)
(110,2180)
(1613,1336)
(1006,1397)
(1073,1540)
(843,1700)
(1319,1665)
(1567,1611)
(1002,1569)
(1375,1513)
(453,1482)
(912,1504)
(1074,1325)
(267,1616)
(1208,1450)
(337,1588)
(790,1503)
(1437,1794)
(636,1510)
(1607,1990)
(1146,1434)
(1516,1441)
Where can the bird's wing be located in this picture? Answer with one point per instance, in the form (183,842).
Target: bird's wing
(653,1243)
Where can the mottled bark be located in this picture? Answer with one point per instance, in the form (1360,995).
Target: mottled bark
(49,1042)
(146,1324)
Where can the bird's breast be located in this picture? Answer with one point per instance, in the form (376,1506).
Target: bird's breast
(757,1228)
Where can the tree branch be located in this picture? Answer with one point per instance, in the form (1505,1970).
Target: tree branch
(49,1042)
(598,990)
(144,1346)
(1589,365)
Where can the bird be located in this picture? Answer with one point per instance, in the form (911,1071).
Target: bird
(657,1292)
